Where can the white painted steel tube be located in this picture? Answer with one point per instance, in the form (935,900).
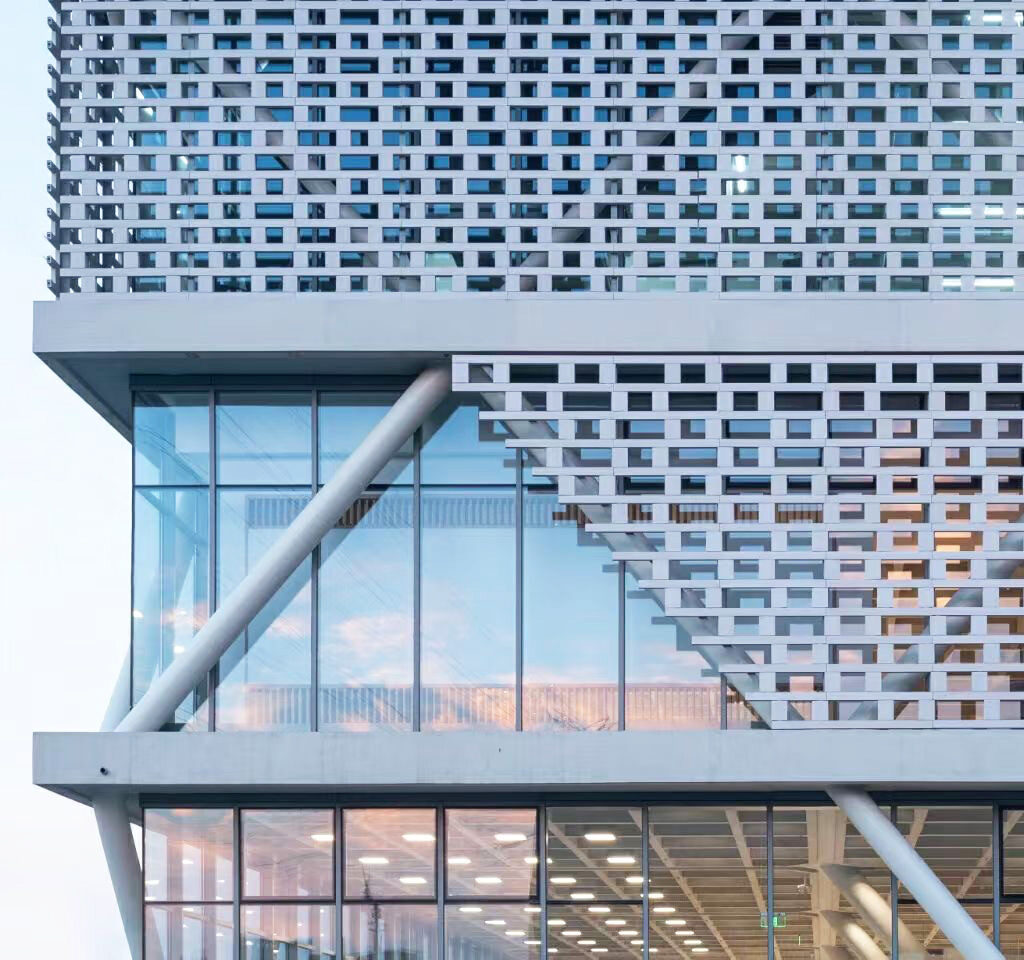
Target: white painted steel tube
(295,544)
(904,861)
(123,865)
(859,940)
(120,697)
(874,908)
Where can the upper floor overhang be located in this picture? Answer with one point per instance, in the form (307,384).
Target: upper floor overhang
(99,344)
(86,765)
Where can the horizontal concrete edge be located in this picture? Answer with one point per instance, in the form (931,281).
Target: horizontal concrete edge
(74,763)
(271,323)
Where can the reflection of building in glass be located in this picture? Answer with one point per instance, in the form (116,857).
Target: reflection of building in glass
(589,530)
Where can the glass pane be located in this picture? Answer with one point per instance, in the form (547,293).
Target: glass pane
(708,880)
(288,853)
(491,853)
(344,420)
(825,878)
(172,438)
(468,639)
(288,932)
(465,450)
(492,931)
(390,932)
(600,932)
(956,843)
(595,853)
(189,933)
(171,581)
(265,675)
(366,615)
(922,929)
(1013,852)
(669,683)
(264,438)
(188,854)
(390,853)
(571,620)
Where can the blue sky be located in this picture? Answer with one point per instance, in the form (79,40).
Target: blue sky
(64,553)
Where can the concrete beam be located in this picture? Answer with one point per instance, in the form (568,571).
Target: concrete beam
(973,760)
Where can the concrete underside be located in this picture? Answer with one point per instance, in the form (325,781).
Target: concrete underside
(983,762)
(98,344)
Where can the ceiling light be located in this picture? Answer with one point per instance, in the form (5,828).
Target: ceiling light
(613,922)
(571,933)
(510,837)
(531,860)
(600,837)
(532,943)
(693,943)
(488,881)
(418,837)
(700,949)
(622,860)
(581,896)
(563,879)
(412,881)
(471,909)
(598,949)
(664,909)
(459,861)
(634,879)
(629,933)
(599,909)
(515,933)
(552,949)
(322,837)
(587,943)
(495,923)
(656,896)
(675,923)
(684,933)
(636,943)
(531,909)
(556,923)
(373,861)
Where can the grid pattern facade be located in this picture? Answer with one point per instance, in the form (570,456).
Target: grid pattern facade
(505,147)
(840,537)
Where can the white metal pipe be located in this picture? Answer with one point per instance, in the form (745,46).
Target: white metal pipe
(860,941)
(120,697)
(906,864)
(874,908)
(296,543)
(115,830)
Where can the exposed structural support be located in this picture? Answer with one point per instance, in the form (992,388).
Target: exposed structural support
(874,908)
(120,696)
(908,867)
(861,943)
(295,544)
(123,864)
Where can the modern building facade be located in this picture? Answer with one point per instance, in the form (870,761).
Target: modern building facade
(578,481)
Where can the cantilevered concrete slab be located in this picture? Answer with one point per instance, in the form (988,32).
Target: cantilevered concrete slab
(98,344)
(84,765)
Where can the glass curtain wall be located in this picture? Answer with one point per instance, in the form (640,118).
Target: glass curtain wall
(738,881)
(456,592)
